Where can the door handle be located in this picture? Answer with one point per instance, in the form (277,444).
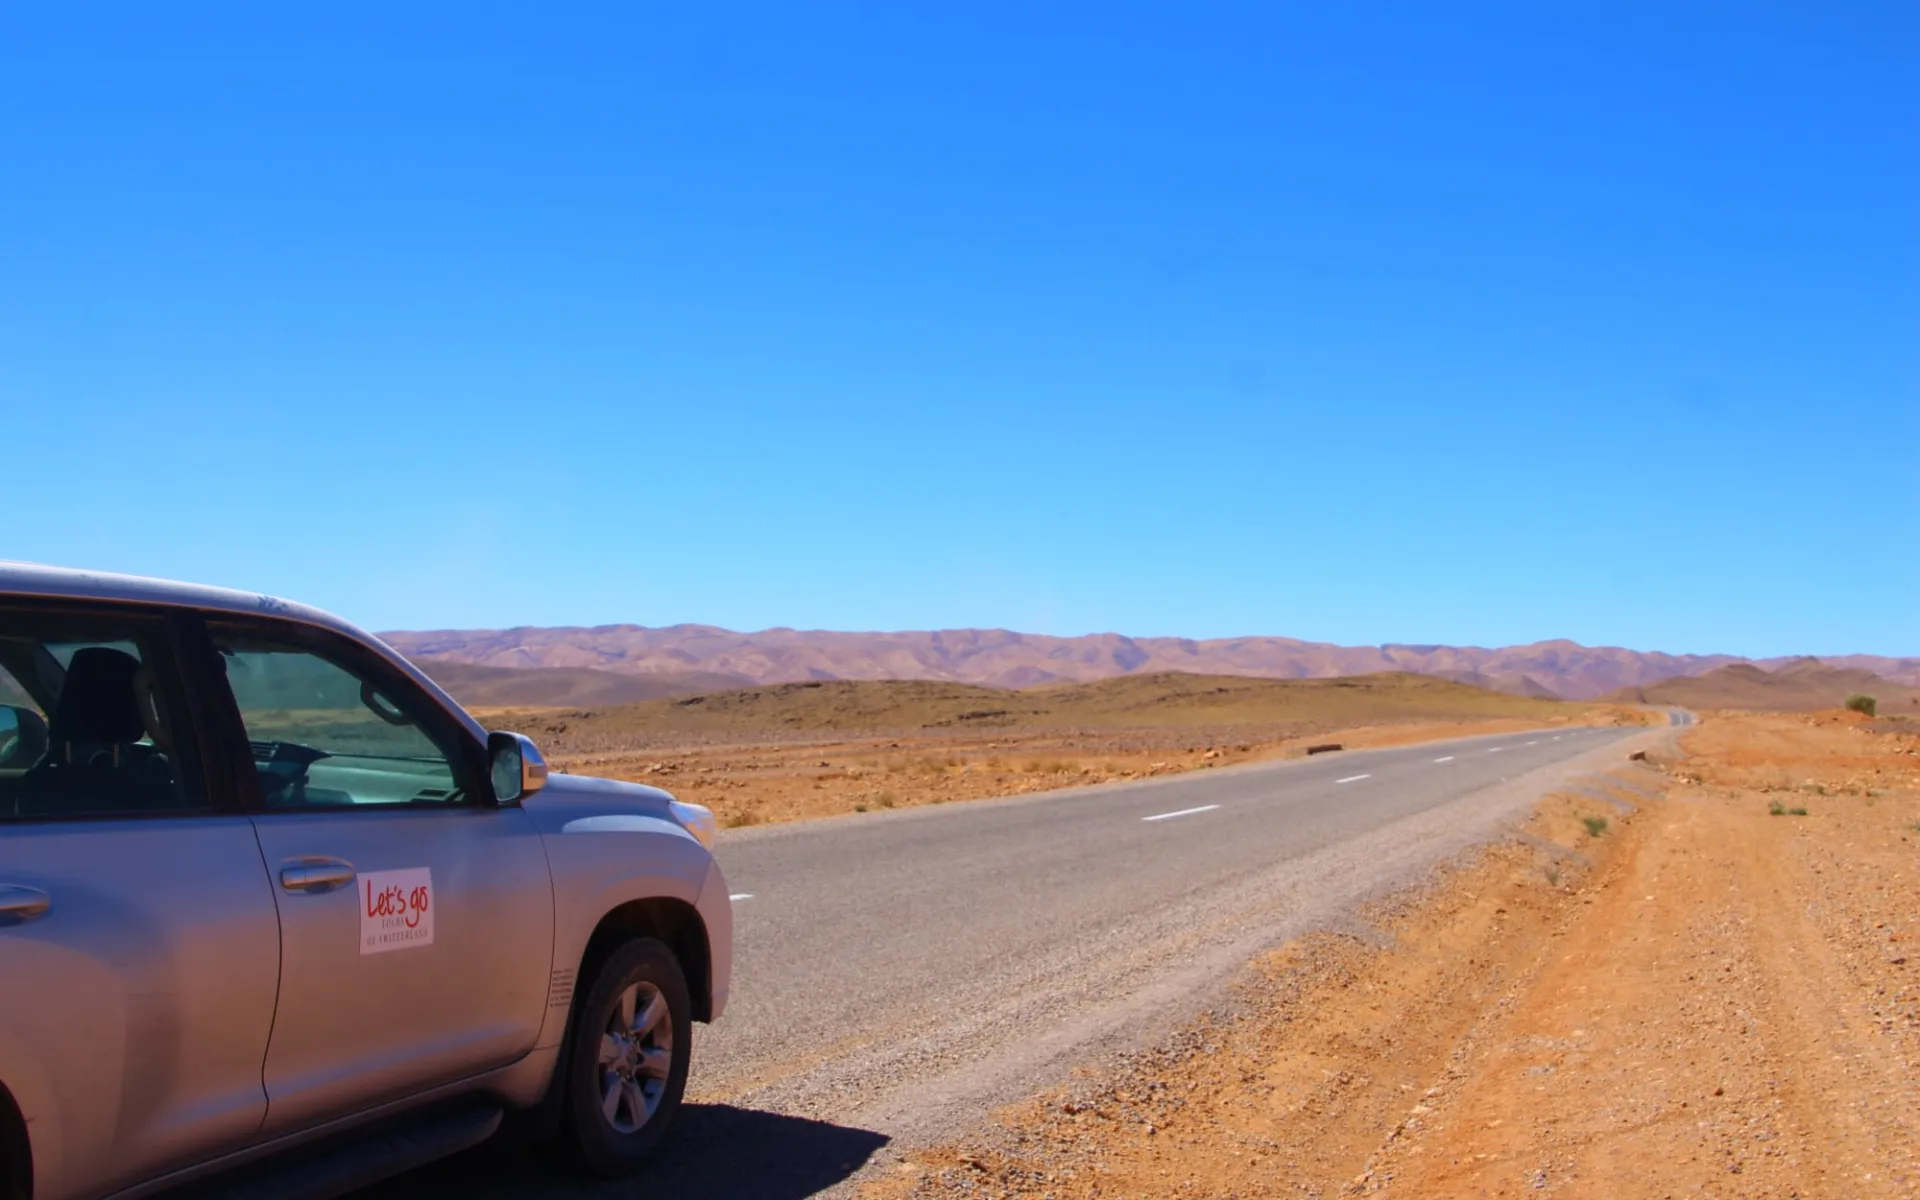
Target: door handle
(18,904)
(315,875)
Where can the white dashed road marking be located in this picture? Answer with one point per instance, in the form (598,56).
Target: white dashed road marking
(1353,779)
(1444,758)
(1185,812)
(741,896)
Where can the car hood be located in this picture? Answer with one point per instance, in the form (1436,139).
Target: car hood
(591,789)
(586,804)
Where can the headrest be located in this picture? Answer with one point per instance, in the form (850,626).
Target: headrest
(153,711)
(97,702)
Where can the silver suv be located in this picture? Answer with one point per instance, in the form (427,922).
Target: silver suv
(275,910)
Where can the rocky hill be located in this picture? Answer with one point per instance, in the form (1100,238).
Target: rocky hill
(1799,685)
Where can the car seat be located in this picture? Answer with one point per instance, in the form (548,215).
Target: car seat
(95,760)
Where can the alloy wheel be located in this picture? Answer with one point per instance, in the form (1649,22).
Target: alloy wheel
(636,1056)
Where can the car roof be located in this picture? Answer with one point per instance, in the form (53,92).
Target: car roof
(38,579)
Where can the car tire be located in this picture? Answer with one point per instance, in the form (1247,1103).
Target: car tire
(627,1062)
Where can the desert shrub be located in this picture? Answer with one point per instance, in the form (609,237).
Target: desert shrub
(1775,808)
(1860,702)
(1595,825)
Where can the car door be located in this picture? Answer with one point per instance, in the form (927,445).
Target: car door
(416,916)
(139,944)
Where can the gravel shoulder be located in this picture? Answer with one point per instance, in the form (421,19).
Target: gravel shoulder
(1696,997)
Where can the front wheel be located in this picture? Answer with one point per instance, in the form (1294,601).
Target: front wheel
(627,1068)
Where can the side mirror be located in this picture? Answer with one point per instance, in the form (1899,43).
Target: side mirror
(23,737)
(517,767)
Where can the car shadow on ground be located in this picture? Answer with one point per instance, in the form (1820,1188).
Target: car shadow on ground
(717,1151)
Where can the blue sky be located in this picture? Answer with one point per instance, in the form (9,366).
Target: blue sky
(1426,323)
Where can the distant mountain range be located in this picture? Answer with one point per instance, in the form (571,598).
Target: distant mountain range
(682,658)
(481,686)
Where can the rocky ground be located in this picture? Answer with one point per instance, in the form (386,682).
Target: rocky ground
(1694,977)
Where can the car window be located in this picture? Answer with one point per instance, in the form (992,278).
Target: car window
(322,734)
(88,725)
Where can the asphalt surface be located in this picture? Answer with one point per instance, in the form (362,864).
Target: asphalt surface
(899,973)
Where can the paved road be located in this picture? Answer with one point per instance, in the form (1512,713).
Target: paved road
(899,972)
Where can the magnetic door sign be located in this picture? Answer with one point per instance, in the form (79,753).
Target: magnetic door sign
(396,910)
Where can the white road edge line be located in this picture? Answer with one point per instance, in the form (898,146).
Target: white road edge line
(1353,779)
(1185,812)
(741,896)
(1446,758)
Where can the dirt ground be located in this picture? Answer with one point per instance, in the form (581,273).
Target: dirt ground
(796,751)
(1697,977)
